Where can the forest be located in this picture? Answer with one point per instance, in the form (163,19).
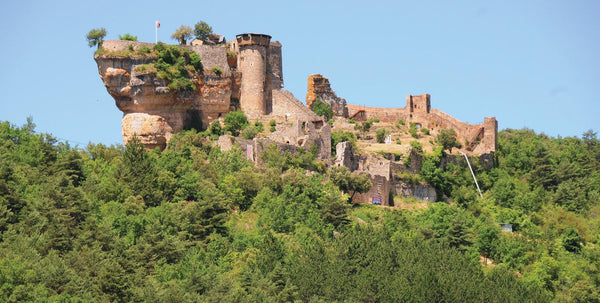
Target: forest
(193,223)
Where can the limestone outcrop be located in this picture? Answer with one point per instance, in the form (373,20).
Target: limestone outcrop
(151,111)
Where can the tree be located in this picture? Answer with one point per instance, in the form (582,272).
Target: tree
(380,134)
(235,121)
(202,30)
(96,36)
(364,127)
(447,139)
(128,37)
(349,182)
(182,34)
(322,109)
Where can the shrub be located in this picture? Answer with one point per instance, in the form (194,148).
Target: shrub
(215,128)
(128,37)
(235,121)
(416,145)
(341,136)
(401,122)
(425,131)
(259,126)
(217,70)
(249,132)
(178,65)
(272,122)
(322,109)
(380,134)
(351,121)
(413,130)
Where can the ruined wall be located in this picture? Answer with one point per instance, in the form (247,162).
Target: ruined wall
(303,134)
(319,88)
(390,115)
(479,138)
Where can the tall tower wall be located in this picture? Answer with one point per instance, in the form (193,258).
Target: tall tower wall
(252,64)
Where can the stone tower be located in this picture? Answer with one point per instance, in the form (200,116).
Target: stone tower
(252,63)
(419,104)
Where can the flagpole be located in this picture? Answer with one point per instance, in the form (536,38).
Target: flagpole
(155,33)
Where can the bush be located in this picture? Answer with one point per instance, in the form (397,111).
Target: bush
(416,145)
(322,109)
(425,131)
(272,122)
(380,134)
(341,136)
(217,70)
(177,65)
(128,37)
(215,128)
(235,121)
(413,130)
(249,132)
(401,123)
(259,126)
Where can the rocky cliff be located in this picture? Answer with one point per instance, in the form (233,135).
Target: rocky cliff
(152,111)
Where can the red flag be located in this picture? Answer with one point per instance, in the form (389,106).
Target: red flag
(157,24)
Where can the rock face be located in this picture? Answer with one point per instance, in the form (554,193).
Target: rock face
(153,112)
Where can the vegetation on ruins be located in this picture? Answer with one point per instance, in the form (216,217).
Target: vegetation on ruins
(235,121)
(202,30)
(177,65)
(182,34)
(128,37)
(194,223)
(447,139)
(322,109)
(96,36)
(380,134)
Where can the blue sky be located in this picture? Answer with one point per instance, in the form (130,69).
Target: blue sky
(532,64)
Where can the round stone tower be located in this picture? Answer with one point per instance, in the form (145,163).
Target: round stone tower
(252,63)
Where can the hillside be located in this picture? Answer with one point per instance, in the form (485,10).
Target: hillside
(193,223)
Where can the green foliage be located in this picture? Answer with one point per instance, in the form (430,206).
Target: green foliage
(380,134)
(202,30)
(193,223)
(413,130)
(349,182)
(178,65)
(96,36)
(249,132)
(447,139)
(400,123)
(235,121)
(215,128)
(128,37)
(182,34)
(364,127)
(217,70)
(322,109)
(425,131)
(341,136)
